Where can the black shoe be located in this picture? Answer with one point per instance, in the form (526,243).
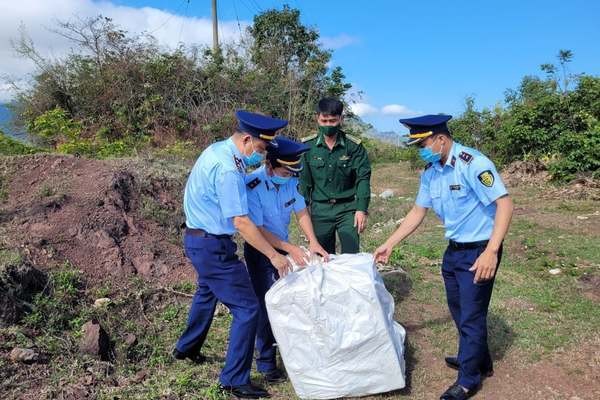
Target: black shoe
(246,391)
(196,358)
(456,392)
(275,376)
(452,362)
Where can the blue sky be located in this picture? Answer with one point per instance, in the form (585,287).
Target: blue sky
(413,56)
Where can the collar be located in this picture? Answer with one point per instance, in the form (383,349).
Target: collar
(453,154)
(236,152)
(340,140)
(262,174)
(452,157)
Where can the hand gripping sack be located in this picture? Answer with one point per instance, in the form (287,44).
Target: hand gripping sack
(334,327)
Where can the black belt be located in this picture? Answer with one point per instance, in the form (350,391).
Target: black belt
(468,245)
(336,201)
(203,233)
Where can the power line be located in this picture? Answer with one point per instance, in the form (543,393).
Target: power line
(257,5)
(238,21)
(185,16)
(169,18)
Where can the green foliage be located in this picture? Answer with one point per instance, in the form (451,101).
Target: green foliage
(54,125)
(543,119)
(57,308)
(116,93)
(11,147)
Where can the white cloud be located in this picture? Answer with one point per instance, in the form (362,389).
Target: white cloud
(362,109)
(339,41)
(397,110)
(37,15)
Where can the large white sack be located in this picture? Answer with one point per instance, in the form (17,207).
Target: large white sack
(335,330)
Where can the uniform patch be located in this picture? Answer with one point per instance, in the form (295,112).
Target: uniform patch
(453,161)
(253,183)
(345,157)
(239,164)
(466,157)
(454,187)
(289,203)
(307,138)
(486,178)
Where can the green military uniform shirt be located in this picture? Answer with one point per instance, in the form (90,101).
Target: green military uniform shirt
(336,183)
(340,173)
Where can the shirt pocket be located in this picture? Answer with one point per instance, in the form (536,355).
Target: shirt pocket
(460,197)
(436,201)
(344,167)
(317,163)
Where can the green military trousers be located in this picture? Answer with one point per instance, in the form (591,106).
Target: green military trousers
(329,219)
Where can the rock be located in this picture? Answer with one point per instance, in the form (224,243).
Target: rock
(554,271)
(140,376)
(386,194)
(130,340)
(95,341)
(101,302)
(19,283)
(26,356)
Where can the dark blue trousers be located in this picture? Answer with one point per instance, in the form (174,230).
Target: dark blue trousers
(263,275)
(468,303)
(221,276)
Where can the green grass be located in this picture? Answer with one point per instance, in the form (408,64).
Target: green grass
(533,314)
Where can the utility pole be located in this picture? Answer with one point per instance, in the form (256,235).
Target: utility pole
(215,26)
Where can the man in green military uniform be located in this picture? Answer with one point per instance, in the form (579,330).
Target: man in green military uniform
(336,180)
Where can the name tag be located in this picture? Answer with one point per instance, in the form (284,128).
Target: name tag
(454,187)
(289,203)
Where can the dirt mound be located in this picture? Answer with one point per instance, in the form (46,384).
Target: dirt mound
(578,189)
(525,172)
(88,212)
(534,172)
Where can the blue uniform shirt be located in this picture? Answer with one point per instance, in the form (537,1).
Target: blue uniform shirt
(215,191)
(462,193)
(272,208)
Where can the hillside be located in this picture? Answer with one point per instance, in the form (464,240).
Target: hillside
(107,234)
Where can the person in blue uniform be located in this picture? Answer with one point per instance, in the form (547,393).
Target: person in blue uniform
(467,194)
(216,207)
(272,198)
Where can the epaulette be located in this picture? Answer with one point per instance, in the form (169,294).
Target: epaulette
(307,138)
(239,164)
(466,157)
(253,183)
(353,138)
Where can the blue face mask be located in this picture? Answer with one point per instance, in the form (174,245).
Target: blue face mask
(253,159)
(429,156)
(280,180)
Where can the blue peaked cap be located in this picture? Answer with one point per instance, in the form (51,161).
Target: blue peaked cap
(258,125)
(424,126)
(286,153)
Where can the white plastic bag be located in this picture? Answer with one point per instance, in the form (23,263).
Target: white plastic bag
(334,327)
